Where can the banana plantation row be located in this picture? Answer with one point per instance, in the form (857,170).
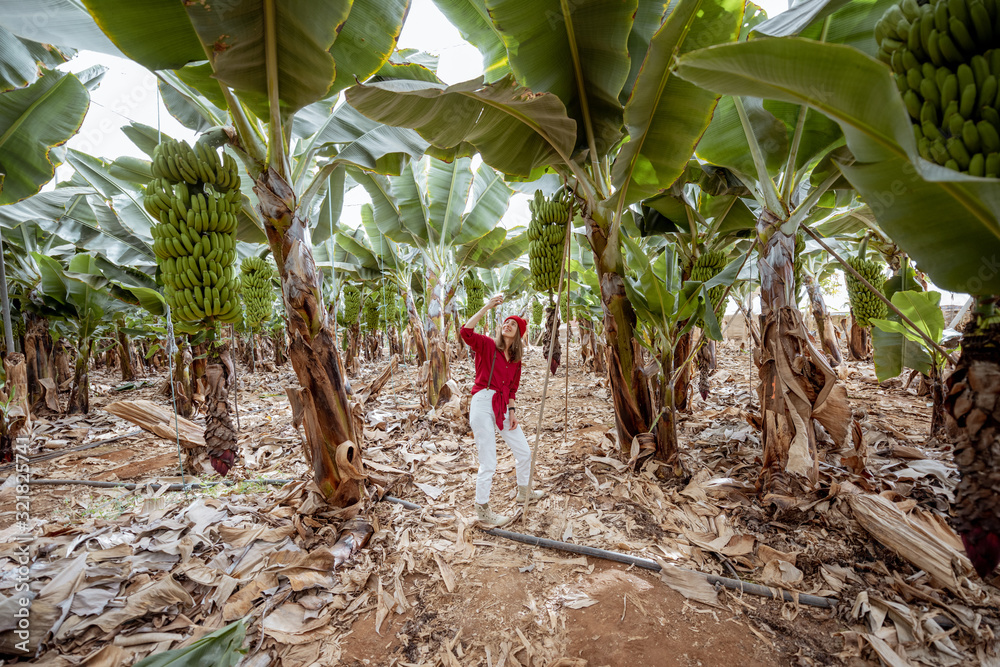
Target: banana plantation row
(677,161)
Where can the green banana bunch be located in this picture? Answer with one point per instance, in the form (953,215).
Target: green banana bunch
(865,306)
(352,304)
(947,68)
(475,290)
(546,233)
(177,162)
(389,303)
(257,291)
(371,315)
(708,265)
(195,196)
(537,311)
(565,311)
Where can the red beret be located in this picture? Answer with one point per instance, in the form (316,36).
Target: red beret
(522,326)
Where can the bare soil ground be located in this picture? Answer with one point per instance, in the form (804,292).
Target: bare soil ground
(431,588)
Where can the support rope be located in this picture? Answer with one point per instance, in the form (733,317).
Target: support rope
(548,364)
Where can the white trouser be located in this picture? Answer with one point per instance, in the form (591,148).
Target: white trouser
(484,426)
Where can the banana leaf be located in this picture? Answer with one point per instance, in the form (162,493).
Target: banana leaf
(892,351)
(36,119)
(665,115)
(946,221)
(515,131)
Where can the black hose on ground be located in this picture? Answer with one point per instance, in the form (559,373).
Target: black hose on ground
(734,584)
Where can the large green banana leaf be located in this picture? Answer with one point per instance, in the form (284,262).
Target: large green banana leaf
(82,217)
(892,351)
(946,221)
(577,51)
(648,19)
(308,63)
(63,22)
(188,105)
(849,22)
(18,67)
(445,189)
(514,130)
(665,115)
(324,223)
(425,207)
(493,250)
(367,40)
(163,34)
(725,142)
(355,139)
(33,120)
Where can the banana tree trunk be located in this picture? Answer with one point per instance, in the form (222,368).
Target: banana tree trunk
(416,329)
(552,329)
(395,347)
(796,382)
(220,434)
(16,386)
(353,351)
(665,433)
(706,365)
(823,326)
(334,444)
(183,387)
(280,347)
(15,390)
(860,345)
(973,419)
(629,387)
(437,348)
(682,388)
(41,364)
(63,370)
(125,356)
(79,393)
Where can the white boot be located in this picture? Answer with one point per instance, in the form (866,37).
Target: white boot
(490,518)
(522,494)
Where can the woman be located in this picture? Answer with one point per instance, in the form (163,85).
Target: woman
(498,375)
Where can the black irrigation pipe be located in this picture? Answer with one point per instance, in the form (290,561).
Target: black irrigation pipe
(155,486)
(645,563)
(733,584)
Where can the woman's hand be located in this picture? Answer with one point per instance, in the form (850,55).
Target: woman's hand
(513,420)
(494,302)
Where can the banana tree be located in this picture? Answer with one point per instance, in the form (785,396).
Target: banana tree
(817,268)
(23,278)
(257,65)
(40,108)
(704,213)
(947,222)
(367,254)
(787,155)
(83,297)
(425,207)
(669,307)
(565,82)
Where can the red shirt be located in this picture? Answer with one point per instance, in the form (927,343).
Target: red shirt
(506,375)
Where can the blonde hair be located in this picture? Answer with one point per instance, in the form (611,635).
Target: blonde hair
(516,347)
